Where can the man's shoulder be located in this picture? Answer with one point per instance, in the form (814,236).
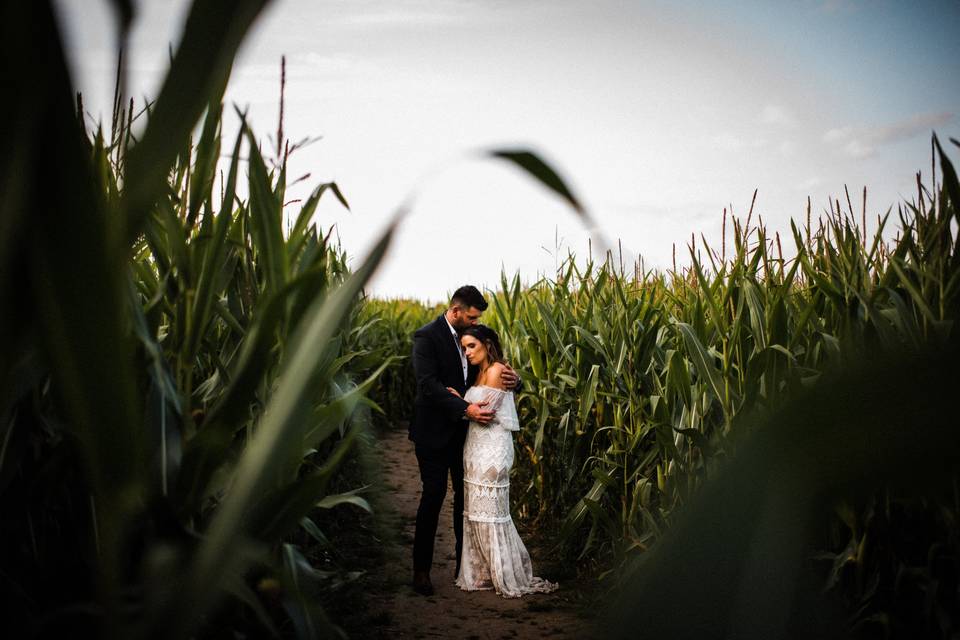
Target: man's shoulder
(428,328)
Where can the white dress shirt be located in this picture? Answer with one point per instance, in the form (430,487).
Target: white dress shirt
(456,340)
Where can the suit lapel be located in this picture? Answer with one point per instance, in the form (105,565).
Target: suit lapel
(453,354)
(445,337)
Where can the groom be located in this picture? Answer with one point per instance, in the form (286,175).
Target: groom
(439,425)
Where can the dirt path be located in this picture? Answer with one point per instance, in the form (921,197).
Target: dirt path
(450,612)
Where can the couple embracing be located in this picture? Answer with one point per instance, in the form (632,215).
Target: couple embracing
(463,425)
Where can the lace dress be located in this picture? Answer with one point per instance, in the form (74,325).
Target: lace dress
(493,554)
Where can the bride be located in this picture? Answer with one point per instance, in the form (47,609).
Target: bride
(493,555)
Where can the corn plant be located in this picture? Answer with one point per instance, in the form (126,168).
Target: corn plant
(640,388)
(183,372)
(390,326)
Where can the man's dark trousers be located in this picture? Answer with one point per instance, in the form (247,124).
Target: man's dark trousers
(435,464)
(438,430)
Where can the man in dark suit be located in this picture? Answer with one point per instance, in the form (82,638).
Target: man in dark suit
(439,425)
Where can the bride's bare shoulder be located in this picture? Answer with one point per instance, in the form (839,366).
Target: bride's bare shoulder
(491,376)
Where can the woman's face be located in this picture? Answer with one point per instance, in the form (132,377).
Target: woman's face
(475,351)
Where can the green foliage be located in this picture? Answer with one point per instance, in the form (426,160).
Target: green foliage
(182,379)
(648,396)
(388,327)
(641,389)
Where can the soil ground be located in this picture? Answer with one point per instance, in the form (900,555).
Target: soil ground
(394,610)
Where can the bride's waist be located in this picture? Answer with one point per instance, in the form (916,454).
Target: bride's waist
(492,427)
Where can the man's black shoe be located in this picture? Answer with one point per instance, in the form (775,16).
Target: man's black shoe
(422,584)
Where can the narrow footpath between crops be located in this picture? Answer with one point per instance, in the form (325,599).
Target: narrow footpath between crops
(450,612)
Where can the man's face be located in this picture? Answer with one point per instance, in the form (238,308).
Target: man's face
(463,318)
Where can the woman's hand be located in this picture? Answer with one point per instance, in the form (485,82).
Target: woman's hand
(454,392)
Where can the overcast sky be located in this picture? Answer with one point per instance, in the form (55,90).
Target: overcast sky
(659,114)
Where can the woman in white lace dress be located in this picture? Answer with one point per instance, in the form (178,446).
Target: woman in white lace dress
(494,556)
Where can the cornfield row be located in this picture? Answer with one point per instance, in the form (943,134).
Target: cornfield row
(185,373)
(637,381)
(182,377)
(391,324)
(639,386)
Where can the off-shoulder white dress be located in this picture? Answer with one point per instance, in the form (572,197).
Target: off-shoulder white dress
(493,554)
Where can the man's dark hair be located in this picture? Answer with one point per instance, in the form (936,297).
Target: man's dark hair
(468,296)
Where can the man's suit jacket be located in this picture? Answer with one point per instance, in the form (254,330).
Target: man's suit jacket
(437,413)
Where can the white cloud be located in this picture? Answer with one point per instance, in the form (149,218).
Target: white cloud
(787,148)
(259,71)
(905,129)
(338,65)
(406,13)
(863,142)
(392,17)
(336,62)
(859,149)
(838,134)
(777,115)
(688,211)
(733,143)
(728,142)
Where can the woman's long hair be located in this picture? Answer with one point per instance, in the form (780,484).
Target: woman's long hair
(489,338)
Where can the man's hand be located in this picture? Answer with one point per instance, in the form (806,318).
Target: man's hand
(509,377)
(454,392)
(477,413)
